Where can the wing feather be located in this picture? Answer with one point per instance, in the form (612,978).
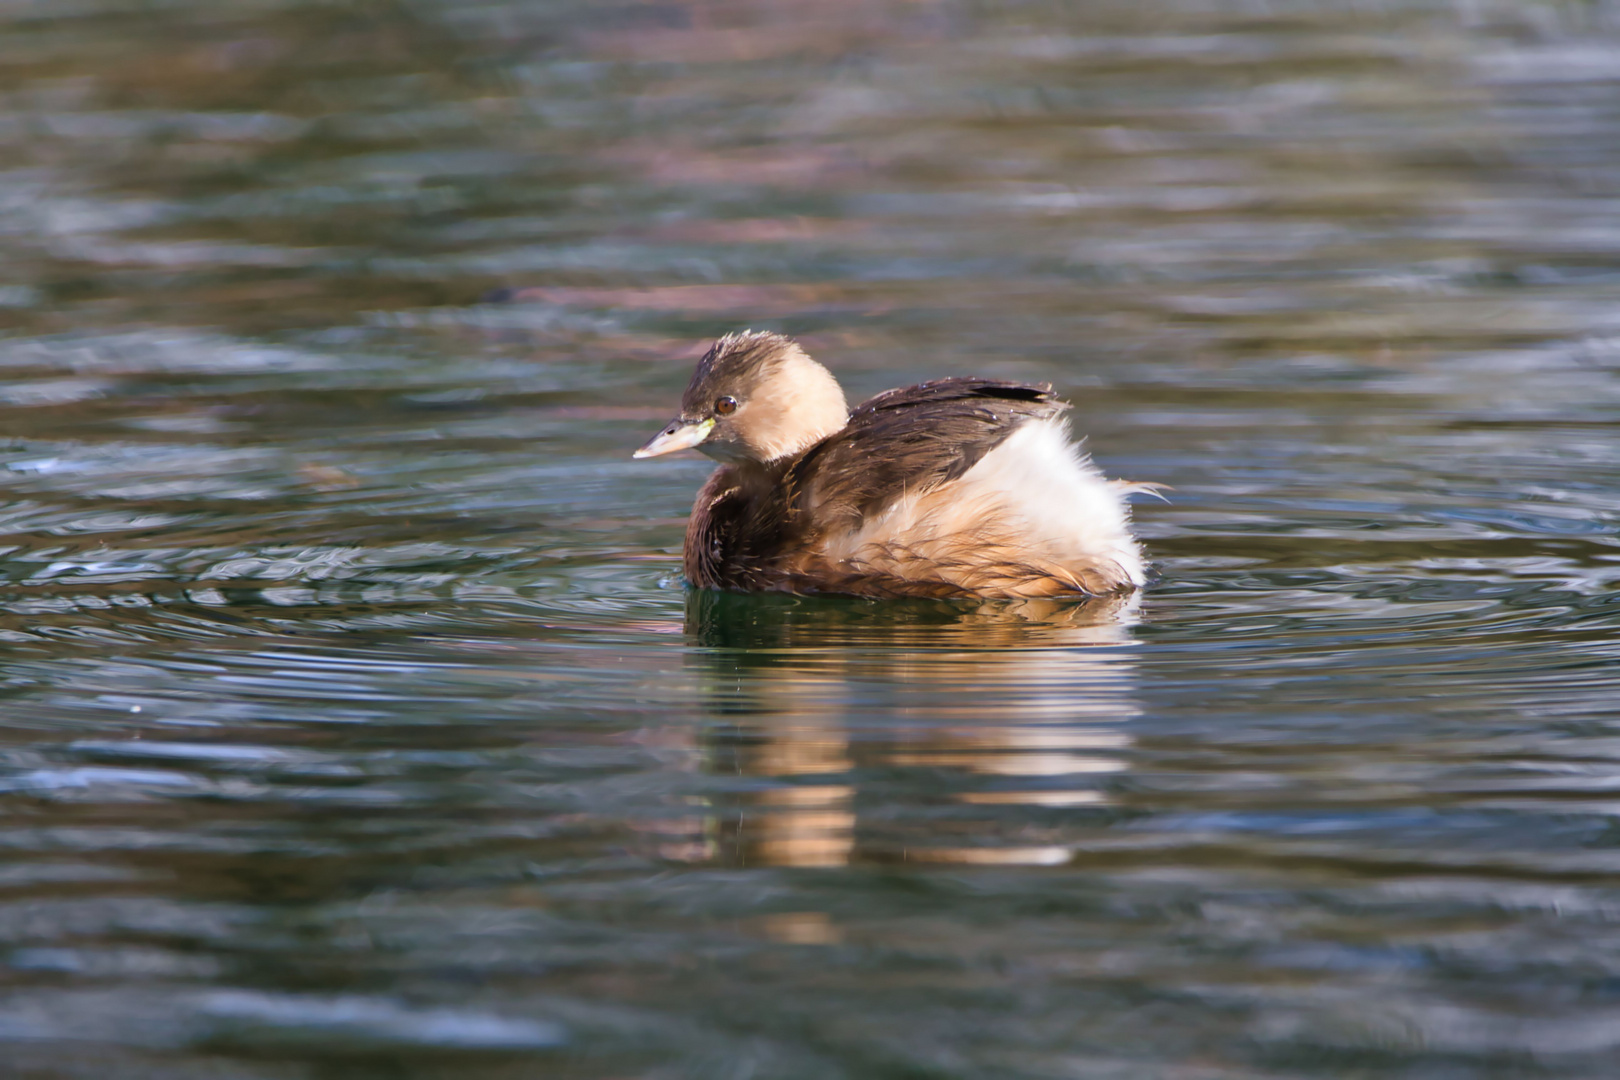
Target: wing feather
(910,441)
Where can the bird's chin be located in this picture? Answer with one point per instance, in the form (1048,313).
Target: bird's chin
(725,452)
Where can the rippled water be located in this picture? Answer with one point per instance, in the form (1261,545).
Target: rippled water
(357,721)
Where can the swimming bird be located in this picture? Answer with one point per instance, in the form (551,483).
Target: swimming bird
(959,487)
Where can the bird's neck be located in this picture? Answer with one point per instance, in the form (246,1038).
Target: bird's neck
(800,406)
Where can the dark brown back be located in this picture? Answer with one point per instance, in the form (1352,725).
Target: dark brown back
(911,440)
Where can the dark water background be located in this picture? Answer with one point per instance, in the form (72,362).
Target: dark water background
(356,722)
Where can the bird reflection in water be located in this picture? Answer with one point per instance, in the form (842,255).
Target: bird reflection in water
(843,731)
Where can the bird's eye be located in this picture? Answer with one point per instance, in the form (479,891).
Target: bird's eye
(725,406)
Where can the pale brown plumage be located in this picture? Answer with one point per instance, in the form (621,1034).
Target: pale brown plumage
(905,496)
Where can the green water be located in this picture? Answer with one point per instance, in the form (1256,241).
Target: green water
(356,721)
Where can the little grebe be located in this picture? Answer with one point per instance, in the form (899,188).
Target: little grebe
(961,487)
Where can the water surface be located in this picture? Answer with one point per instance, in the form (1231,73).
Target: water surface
(357,722)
